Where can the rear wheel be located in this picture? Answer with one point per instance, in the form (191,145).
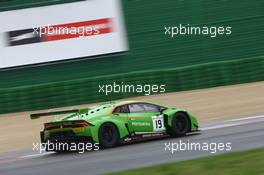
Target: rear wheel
(108,135)
(180,124)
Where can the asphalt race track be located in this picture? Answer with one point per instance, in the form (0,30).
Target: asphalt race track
(245,133)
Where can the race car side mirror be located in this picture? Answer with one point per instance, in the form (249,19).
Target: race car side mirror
(161,110)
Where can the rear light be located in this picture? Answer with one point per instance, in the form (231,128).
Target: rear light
(48,125)
(68,124)
(81,123)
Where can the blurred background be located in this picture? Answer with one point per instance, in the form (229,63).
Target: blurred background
(182,63)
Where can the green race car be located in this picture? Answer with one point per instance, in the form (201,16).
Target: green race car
(114,123)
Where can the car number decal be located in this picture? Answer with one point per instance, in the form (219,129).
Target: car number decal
(158,123)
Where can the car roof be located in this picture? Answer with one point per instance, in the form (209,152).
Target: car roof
(128,102)
(113,104)
(109,106)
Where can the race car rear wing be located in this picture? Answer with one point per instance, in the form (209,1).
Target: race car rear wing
(38,115)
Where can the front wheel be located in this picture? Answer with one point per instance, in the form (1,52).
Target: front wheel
(108,135)
(180,124)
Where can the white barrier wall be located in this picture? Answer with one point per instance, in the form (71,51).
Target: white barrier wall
(61,32)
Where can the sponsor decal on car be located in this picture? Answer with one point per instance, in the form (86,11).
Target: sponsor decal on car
(140,123)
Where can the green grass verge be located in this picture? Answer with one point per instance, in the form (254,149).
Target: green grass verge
(237,163)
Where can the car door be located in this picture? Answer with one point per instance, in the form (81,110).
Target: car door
(145,117)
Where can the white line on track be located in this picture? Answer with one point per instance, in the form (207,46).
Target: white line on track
(236,122)
(35,155)
(247,118)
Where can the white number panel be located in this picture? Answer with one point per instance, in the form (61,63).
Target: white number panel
(158,123)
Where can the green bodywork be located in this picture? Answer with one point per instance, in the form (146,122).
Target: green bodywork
(126,123)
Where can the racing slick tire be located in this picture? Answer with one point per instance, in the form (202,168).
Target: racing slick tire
(180,124)
(108,135)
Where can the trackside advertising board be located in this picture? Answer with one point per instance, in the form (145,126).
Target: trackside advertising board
(61,32)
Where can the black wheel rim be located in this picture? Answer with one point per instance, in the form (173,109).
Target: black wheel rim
(108,133)
(181,124)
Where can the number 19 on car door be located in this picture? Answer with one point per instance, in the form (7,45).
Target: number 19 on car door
(158,123)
